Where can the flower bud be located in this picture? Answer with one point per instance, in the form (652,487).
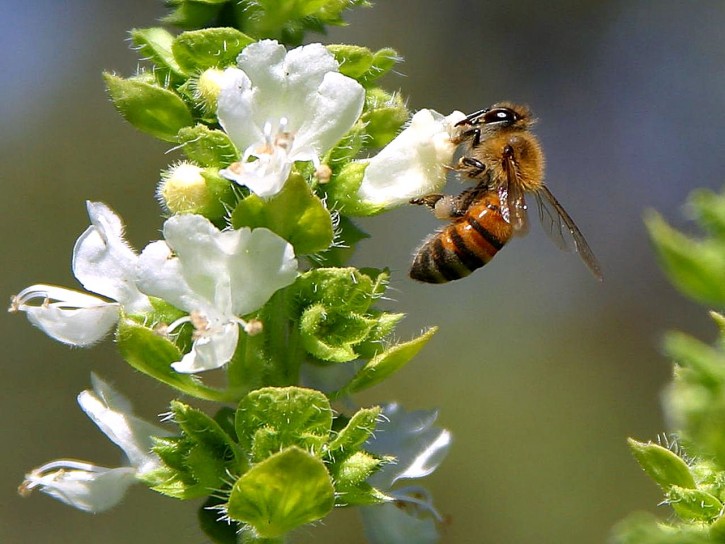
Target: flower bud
(188,188)
(208,87)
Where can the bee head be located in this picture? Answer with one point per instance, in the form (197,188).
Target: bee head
(500,115)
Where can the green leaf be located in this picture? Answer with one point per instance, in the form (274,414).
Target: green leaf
(287,490)
(662,465)
(350,475)
(155,45)
(386,363)
(383,61)
(709,208)
(693,504)
(697,268)
(207,147)
(271,419)
(197,50)
(342,190)
(150,108)
(295,214)
(646,529)
(342,288)
(152,354)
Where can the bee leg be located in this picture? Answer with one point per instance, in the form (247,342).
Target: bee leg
(427,200)
(473,134)
(472,168)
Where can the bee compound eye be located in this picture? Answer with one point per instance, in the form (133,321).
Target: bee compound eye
(500,115)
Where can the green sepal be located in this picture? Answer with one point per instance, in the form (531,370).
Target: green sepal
(350,475)
(359,428)
(385,324)
(717,530)
(197,50)
(354,60)
(383,61)
(198,461)
(220,531)
(191,14)
(207,147)
(342,288)
(693,504)
(288,489)
(331,336)
(347,234)
(271,419)
(152,354)
(342,191)
(384,116)
(155,44)
(221,195)
(665,467)
(695,267)
(385,364)
(295,214)
(148,107)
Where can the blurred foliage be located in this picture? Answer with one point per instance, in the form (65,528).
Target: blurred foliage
(689,466)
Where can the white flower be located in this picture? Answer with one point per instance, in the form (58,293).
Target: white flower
(418,448)
(414,164)
(217,277)
(280,107)
(90,487)
(104,264)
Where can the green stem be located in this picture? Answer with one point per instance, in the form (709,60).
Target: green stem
(282,341)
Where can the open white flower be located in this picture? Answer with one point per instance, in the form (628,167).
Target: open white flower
(94,488)
(418,447)
(217,277)
(280,107)
(414,164)
(104,264)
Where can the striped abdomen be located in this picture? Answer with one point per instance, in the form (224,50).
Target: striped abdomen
(468,243)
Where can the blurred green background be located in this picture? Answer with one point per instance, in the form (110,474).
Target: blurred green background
(539,371)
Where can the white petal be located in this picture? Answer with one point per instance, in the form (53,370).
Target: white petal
(93,489)
(393,523)
(264,264)
(411,438)
(161,275)
(66,315)
(412,165)
(103,261)
(234,109)
(331,111)
(130,433)
(210,352)
(265,176)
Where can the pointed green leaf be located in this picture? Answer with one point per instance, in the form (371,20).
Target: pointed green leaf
(354,60)
(662,465)
(356,432)
(331,336)
(697,268)
(289,489)
(197,50)
(386,363)
(295,214)
(152,354)
(207,147)
(150,108)
(155,44)
(274,418)
(191,14)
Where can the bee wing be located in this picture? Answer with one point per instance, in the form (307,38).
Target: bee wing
(563,231)
(513,203)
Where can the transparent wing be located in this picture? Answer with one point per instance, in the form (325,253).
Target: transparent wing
(563,231)
(513,203)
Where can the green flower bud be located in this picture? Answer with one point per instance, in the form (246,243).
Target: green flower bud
(188,188)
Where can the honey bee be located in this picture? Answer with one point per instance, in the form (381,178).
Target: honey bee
(505,159)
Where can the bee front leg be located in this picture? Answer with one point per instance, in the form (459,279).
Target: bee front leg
(470,167)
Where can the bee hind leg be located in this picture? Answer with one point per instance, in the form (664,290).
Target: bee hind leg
(443,206)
